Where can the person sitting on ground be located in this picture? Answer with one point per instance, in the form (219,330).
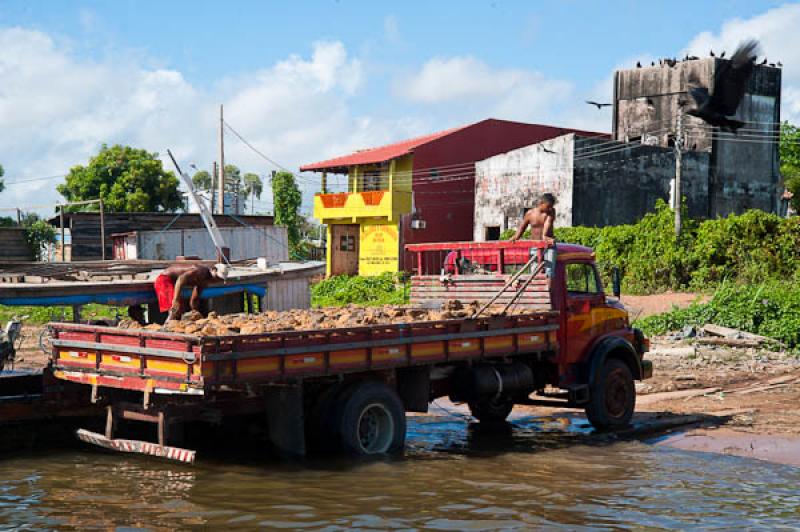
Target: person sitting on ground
(170,282)
(540,219)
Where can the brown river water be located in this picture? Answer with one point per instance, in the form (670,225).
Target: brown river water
(453,476)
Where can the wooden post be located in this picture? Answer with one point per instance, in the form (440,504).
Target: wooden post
(19,217)
(213,191)
(221,183)
(61,221)
(102,232)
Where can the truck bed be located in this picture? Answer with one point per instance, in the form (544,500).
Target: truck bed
(174,363)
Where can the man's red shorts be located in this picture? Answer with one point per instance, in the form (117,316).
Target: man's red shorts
(165,290)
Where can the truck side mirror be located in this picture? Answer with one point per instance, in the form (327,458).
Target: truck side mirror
(616,282)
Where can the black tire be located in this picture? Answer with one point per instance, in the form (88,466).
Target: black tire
(371,420)
(612,396)
(491,411)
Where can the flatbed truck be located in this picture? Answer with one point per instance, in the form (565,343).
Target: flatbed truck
(564,343)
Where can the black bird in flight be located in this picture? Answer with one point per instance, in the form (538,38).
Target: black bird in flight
(730,82)
(599,105)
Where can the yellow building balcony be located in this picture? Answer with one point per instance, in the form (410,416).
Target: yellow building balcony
(350,207)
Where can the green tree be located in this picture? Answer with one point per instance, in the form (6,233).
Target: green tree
(253,188)
(233,177)
(202,180)
(127,179)
(286,198)
(790,161)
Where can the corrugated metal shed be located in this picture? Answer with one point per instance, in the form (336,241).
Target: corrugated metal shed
(244,243)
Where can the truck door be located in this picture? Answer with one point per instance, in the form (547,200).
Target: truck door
(584,303)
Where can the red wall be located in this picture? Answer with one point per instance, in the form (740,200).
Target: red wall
(447,206)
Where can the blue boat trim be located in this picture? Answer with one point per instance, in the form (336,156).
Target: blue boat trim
(129,297)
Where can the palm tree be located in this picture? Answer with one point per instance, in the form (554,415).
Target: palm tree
(253,187)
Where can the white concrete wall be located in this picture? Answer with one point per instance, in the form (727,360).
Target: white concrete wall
(509,183)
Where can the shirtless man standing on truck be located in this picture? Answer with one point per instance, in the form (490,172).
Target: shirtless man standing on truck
(540,219)
(169,284)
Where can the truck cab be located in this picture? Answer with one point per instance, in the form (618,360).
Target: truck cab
(599,354)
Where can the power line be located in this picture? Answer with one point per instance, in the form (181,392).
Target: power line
(31,180)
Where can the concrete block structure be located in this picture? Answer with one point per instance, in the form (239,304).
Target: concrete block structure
(596,182)
(743,169)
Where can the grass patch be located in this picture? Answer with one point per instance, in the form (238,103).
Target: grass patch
(384,289)
(41,315)
(770,309)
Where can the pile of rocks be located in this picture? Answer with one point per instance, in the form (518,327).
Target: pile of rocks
(312,319)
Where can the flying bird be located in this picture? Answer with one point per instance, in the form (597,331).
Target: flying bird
(598,105)
(730,82)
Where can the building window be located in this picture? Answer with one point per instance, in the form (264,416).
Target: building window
(492,233)
(347,243)
(582,279)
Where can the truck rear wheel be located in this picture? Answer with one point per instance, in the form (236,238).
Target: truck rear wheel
(372,420)
(612,396)
(491,411)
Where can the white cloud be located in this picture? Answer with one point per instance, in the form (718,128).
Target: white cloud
(777,30)
(57,109)
(478,90)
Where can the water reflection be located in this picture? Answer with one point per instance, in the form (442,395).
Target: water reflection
(453,477)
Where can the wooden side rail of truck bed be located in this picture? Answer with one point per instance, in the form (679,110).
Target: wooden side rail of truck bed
(159,362)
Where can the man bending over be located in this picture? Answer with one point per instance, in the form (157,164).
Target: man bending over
(169,284)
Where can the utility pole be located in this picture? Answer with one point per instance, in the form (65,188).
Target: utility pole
(221,182)
(678,164)
(213,191)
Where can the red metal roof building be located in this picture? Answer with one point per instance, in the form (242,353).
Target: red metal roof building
(414,191)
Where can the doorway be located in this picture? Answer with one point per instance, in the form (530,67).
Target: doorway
(344,249)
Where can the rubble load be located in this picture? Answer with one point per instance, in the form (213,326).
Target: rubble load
(312,319)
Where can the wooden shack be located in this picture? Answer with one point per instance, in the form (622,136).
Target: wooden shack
(13,245)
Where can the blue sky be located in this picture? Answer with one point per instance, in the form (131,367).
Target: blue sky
(305,81)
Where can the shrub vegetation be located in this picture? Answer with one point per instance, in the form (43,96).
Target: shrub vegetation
(384,289)
(751,247)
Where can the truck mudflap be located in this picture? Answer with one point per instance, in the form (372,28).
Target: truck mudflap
(647,369)
(137,446)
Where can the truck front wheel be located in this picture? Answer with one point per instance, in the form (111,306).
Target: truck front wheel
(612,396)
(372,420)
(491,411)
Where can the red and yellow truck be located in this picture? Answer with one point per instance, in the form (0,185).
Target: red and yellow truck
(566,344)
